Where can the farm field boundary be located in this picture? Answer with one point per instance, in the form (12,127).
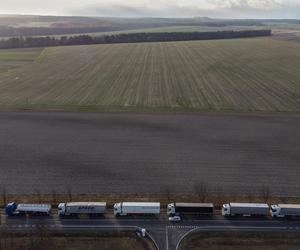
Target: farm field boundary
(142,154)
(242,75)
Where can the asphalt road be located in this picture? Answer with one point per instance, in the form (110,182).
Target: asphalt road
(148,153)
(166,235)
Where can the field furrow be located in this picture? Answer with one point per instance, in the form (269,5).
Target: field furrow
(260,74)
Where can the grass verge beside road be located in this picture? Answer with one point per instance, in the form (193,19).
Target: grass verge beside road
(241,240)
(92,241)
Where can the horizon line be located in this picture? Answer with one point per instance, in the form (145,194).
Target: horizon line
(145,17)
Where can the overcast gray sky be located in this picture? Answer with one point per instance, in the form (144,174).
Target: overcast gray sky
(156,8)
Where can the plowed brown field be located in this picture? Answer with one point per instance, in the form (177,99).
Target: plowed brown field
(138,154)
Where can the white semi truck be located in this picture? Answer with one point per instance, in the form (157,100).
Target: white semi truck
(285,210)
(32,209)
(245,209)
(77,208)
(142,208)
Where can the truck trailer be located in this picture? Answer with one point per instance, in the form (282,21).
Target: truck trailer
(285,210)
(190,208)
(130,208)
(245,209)
(77,208)
(23,209)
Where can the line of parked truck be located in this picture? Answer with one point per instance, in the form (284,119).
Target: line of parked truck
(174,210)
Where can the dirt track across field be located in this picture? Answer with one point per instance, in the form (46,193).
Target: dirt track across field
(149,153)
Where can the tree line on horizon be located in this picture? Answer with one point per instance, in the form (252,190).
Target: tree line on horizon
(82,26)
(29,42)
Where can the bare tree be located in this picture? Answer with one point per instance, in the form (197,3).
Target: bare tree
(3,237)
(4,194)
(40,239)
(219,194)
(32,245)
(54,197)
(38,195)
(284,199)
(250,196)
(202,190)
(47,240)
(69,192)
(249,193)
(265,193)
(168,193)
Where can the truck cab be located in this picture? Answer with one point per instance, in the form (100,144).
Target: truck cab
(117,209)
(11,209)
(226,210)
(275,211)
(171,209)
(285,210)
(61,209)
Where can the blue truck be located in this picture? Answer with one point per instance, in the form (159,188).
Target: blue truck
(13,208)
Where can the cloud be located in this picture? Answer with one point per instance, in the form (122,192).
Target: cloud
(253,4)
(122,10)
(158,8)
(259,8)
(190,8)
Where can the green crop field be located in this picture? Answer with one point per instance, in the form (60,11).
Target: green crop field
(13,58)
(241,75)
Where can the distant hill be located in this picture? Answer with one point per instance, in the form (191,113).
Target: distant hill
(28,25)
